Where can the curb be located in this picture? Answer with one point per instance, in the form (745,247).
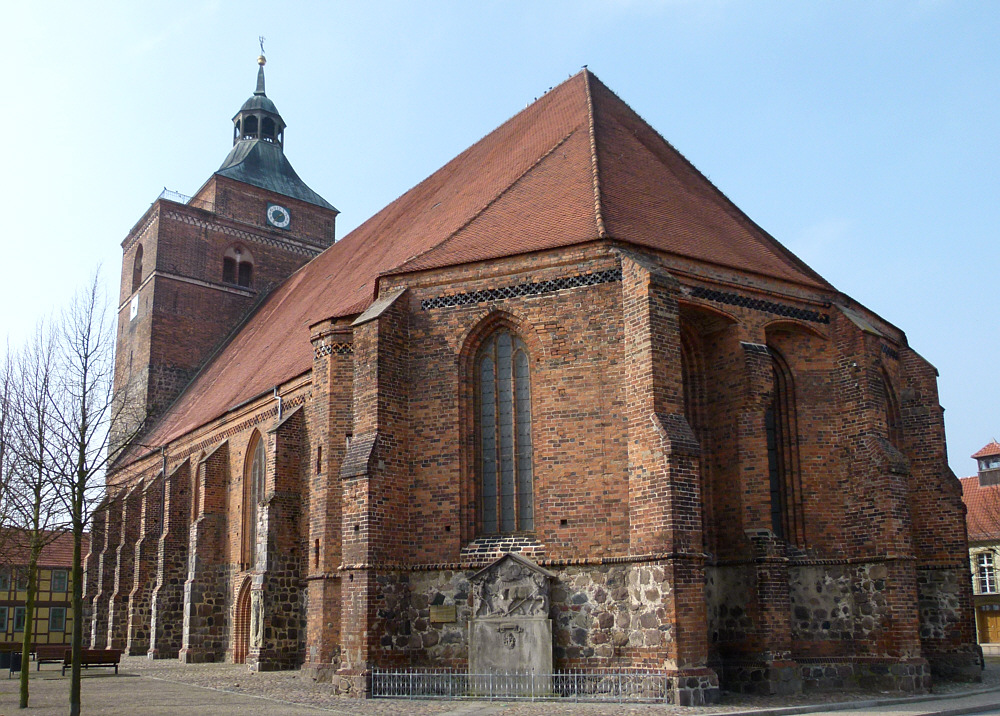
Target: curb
(872,703)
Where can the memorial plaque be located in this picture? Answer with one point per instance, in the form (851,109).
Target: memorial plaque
(443,614)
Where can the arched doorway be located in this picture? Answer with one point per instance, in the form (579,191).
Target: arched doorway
(241,624)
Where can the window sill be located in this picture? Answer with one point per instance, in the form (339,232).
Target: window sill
(490,547)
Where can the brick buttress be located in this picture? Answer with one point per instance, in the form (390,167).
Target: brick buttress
(144,572)
(664,485)
(167,604)
(206,617)
(331,423)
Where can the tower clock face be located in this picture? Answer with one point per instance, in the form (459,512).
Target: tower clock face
(278,216)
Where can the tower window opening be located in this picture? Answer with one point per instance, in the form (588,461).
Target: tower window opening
(267,129)
(137,269)
(237,266)
(250,127)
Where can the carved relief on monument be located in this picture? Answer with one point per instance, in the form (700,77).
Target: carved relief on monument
(511,586)
(511,631)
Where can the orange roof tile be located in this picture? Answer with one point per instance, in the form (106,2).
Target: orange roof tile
(983,505)
(989,450)
(575,166)
(58,552)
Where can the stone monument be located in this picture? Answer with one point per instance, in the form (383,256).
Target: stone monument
(510,631)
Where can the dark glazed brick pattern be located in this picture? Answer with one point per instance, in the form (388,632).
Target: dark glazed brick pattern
(522,289)
(778,309)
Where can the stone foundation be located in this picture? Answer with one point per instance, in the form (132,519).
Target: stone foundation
(356,684)
(693,687)
(765,678)
(911,676)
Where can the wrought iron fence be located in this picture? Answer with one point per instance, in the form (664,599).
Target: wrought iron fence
(638,685)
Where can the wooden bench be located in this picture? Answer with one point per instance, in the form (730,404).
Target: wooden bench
(94,657)
(50,654)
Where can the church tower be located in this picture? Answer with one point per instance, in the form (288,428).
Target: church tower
(193,268)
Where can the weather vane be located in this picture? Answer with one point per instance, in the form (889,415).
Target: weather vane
(261,38)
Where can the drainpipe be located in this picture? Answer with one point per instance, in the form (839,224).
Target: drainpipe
(278,397)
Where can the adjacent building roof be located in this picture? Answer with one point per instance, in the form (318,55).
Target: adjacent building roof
(989,450)
(983,505)
(574,166)
(58,552)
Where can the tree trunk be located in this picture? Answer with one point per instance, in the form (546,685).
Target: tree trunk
(29,614)
(77,640)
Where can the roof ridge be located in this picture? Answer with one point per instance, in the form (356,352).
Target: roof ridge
(598,214)
(482,210)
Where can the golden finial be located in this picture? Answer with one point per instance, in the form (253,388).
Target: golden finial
(261,60)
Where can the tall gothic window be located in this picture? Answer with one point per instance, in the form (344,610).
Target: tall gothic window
(253,493)
(503,430)
(782,456)
(893,419)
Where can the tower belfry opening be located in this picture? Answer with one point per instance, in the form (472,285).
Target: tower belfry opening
(258,118)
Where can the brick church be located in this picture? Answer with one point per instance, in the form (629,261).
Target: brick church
(565,344)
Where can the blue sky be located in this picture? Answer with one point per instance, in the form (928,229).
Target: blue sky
(862,135)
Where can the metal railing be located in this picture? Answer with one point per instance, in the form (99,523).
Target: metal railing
(175,196)
(634,685)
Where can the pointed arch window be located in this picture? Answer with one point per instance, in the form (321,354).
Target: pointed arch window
(782,456)
(893,418)
(505,470)
(253,492)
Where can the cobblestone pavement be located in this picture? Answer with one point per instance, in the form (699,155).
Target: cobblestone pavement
(169,687)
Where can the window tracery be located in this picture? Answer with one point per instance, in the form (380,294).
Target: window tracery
(505,469)
(782,455)
(253,492)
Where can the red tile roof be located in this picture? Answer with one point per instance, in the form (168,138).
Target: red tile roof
(575,166)
(983,505)
(58,552)
(992,448)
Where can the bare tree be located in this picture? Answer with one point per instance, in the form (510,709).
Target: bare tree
(33,505)
(85,405)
